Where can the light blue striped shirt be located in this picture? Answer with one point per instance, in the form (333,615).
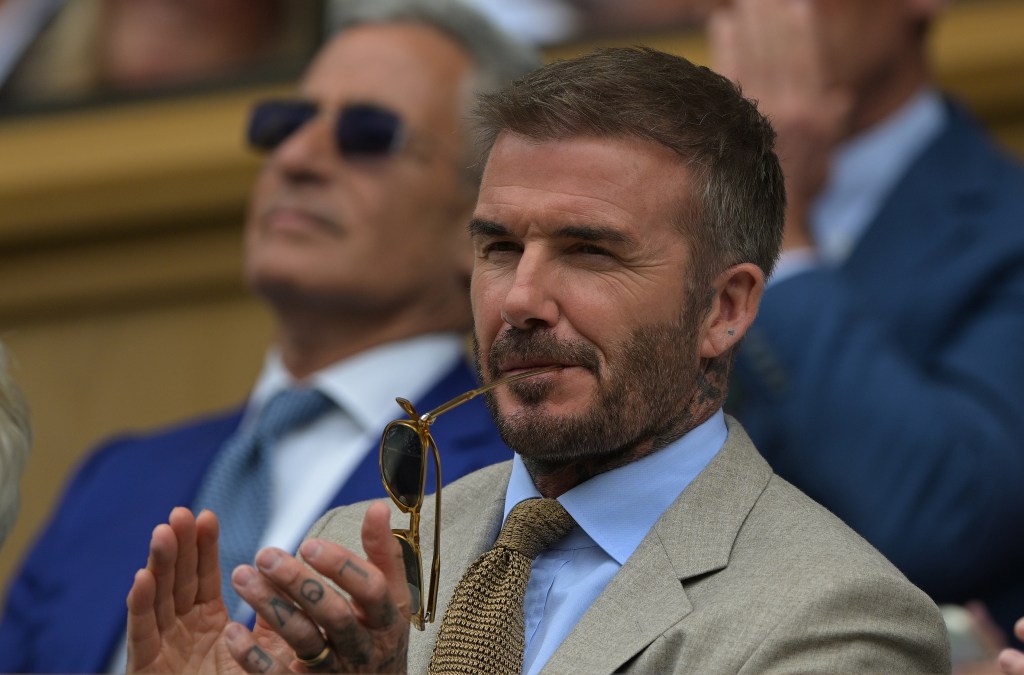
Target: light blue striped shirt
(614,512)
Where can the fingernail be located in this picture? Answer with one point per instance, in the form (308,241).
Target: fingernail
(233,632)
(311,549)
(242,575)
(268,559)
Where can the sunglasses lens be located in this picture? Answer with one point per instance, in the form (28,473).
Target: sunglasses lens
(273,121)
(367,130)
(412,574)
(402,460)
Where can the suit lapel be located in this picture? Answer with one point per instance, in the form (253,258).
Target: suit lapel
(641,602)
(942,187)
(934,219)
(692,538)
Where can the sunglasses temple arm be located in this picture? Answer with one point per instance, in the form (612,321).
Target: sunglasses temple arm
(459,400)
(430,608)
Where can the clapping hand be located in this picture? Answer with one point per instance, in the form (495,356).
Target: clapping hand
(1011,661)
(177,621)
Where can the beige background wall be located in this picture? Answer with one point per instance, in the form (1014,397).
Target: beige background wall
(120,293)
(120,276)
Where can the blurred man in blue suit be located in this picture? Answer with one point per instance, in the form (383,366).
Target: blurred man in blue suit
(356,238)
(884,374)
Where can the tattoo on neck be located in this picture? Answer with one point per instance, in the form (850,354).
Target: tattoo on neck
(712,384)
(555,478)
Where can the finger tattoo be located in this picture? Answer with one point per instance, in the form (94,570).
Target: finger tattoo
(388,615)
(398,656)
(258,659)
(279,605)
(312,590)
(355,568)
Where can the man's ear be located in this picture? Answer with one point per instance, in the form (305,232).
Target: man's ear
(737,294)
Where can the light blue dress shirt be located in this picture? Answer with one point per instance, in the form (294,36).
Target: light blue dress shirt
(863,172)
(613,511)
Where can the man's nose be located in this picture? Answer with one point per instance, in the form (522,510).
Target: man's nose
(531,301)
(307,153)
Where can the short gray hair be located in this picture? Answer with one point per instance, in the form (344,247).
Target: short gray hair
(497,57)
(15,441)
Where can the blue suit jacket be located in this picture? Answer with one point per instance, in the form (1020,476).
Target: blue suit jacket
(891,389)
(66,608)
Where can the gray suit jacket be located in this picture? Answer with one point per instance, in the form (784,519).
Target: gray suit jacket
(743,573)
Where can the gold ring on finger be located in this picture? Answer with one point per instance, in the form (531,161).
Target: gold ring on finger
(317,660)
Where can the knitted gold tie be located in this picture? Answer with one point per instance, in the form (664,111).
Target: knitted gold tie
(483,627)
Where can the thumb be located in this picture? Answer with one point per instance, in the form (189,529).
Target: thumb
(384,550)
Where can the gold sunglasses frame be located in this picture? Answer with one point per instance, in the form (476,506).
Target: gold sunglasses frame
(420,424)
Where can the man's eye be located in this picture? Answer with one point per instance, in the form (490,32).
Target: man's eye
(500,247)
(590,249)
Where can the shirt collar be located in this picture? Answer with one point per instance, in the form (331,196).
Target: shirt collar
(365,385)
(866,168)
(618,508)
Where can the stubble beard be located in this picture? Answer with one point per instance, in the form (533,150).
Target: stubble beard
(639,407)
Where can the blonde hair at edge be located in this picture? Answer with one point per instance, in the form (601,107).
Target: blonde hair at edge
(15,441)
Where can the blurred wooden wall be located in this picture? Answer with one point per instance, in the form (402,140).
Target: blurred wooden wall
(121,299)
(120,251)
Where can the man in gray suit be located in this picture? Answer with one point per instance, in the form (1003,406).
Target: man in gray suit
(630,210)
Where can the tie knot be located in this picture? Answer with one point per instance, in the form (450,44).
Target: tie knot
(533,525)
(290,409)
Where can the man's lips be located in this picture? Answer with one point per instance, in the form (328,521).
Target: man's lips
(284,219)
(512,367)
(516,350)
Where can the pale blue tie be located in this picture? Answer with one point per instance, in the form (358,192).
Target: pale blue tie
(238,485)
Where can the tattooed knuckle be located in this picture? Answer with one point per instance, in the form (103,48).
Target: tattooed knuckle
(258,660)
(312,591)
(352,569)
(281,610)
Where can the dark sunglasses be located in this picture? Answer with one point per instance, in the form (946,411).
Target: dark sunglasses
(404,448)
(361,130)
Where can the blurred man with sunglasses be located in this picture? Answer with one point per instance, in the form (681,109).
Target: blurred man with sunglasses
(356,239)
(630,209)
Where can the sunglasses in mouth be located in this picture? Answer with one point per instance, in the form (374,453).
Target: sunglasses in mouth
(360,129)
(405,449)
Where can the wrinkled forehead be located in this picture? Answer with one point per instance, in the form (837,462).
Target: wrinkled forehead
(413,69)
(625,183)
